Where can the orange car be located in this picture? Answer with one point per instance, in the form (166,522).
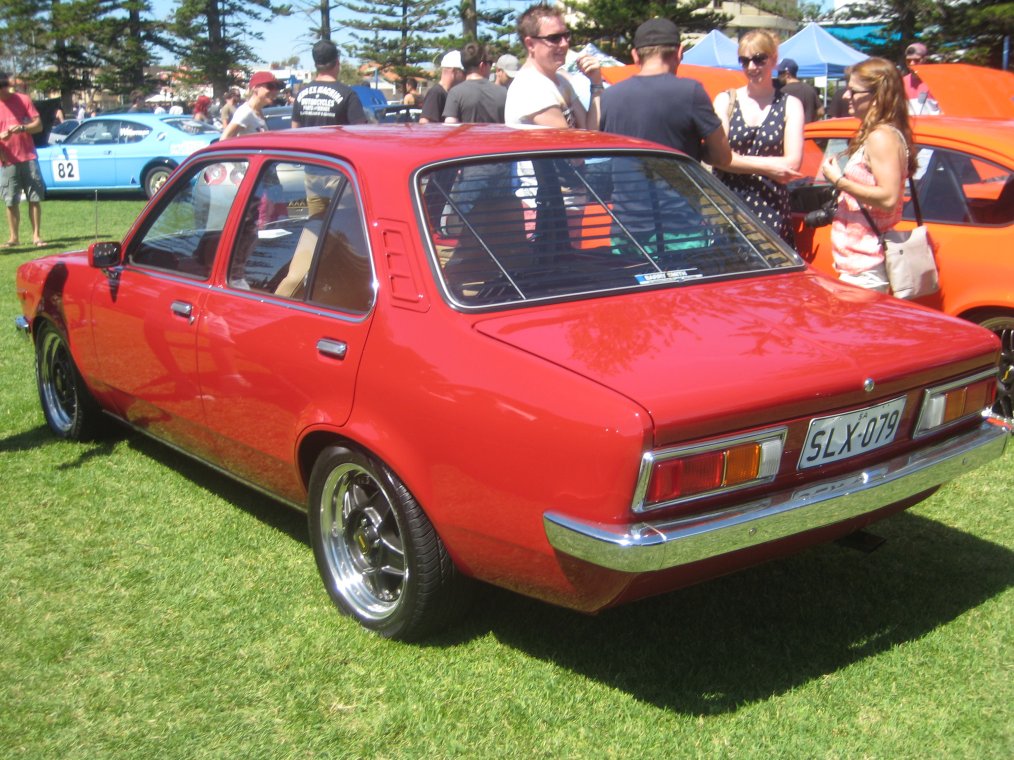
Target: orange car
(965,184)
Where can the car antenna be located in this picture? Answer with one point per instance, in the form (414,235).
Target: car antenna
(96,216)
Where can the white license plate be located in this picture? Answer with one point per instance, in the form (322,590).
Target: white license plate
(831,439)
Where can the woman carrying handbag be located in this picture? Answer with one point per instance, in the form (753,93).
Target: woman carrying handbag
(871,186)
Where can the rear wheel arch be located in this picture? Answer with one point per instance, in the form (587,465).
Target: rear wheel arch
(379,556)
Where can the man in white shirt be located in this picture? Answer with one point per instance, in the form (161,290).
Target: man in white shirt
(541,96)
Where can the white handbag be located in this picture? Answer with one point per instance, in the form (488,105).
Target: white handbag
(911,268)
(908,256)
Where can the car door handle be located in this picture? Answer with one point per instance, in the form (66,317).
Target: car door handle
(336,349)
(183,309)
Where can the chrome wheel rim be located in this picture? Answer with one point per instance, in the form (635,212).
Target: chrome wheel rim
(362,540)
(158,178)
(1003,327)
(57,382)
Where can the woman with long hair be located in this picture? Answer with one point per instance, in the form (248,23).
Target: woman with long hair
(880,158)
(765,129)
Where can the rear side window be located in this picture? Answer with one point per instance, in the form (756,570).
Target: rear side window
(184,234)
(301,237)
(956,188)
(509,231)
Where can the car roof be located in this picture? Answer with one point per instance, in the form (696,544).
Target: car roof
(993,135)
(412,145)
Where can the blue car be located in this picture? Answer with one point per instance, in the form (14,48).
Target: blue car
(128,151)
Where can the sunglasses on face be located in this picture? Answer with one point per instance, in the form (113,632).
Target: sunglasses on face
(553,39)
(757,60)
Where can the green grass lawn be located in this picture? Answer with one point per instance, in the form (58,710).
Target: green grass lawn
(152,608)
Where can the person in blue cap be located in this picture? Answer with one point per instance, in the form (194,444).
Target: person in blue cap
(808,95)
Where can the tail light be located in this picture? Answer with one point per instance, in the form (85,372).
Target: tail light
(946,404)
(675,475)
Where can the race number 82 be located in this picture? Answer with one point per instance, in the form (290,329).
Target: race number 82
(65,171)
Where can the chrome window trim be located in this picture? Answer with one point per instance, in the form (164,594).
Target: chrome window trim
(448,296)
(218,155)
(650,458)
(944,388)
(250,295)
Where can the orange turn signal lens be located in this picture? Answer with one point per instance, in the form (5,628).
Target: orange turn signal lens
(718,467)
(955,401)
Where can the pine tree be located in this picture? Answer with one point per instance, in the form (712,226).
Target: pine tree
(399,34)
(213,38)
(611,23)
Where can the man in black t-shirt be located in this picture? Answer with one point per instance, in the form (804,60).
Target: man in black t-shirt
(451,73)
(326,101)
(658,106)
(808,95)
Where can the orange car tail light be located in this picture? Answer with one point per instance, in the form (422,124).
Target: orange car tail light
(675,475)
(946,404)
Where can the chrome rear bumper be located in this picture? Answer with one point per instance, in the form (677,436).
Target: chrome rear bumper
(651,546)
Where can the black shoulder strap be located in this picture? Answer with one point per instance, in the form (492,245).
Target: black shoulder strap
(915,207)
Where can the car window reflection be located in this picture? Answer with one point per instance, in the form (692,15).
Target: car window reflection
(301,237)
(184,235)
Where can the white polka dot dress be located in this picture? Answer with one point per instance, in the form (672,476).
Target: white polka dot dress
(768,199)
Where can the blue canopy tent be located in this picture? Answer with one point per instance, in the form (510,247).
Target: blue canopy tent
(818,53)
(715,50)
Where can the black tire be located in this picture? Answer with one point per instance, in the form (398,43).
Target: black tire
(154,178)
(379,557)
(1003,326)
(70,409)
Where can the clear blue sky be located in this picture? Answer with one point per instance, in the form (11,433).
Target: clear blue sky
(282,36)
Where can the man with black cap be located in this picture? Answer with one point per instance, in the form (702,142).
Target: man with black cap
(658,106)
(20,174)
(808,95)
(326,101)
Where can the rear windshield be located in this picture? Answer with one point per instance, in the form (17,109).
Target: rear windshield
(506,231)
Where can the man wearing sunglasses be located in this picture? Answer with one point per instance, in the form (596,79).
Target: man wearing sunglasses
(539,94)
(642,106)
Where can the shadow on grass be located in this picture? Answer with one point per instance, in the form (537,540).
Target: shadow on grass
(714,647)
(269,511)
(711,648)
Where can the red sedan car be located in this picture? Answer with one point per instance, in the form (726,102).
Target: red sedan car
(565,363)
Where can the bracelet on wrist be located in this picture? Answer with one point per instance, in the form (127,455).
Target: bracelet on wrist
(837,182)
(597,87)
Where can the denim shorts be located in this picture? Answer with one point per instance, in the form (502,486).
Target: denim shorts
(16,178)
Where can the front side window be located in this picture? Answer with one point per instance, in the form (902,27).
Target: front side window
(302,237)
(507,231)
(184,234)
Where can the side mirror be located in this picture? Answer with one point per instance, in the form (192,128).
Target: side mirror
(104,255)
